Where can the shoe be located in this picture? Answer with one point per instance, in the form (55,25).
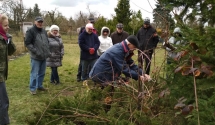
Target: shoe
(33,92)
(78,79)
(58,83)
(42,89)
(52,82)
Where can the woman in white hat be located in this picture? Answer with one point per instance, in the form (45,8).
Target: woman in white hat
(57,51)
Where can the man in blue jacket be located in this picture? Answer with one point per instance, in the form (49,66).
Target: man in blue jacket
(117,60)
(89,44)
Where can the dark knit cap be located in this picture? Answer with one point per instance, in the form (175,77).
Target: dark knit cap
(147,21)
(133,40)
(91,19)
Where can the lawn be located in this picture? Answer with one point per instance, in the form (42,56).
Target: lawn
(23,104)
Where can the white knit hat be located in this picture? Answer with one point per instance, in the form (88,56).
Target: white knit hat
(54,27)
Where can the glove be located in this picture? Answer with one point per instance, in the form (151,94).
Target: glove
(92,51)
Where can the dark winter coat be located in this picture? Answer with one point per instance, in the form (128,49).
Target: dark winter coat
(57,51)
(118,37)
(146,39)
(87,41)
(6,48)
(36,40)
(113,62)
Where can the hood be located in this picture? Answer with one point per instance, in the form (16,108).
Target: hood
(103,29)
(177,30)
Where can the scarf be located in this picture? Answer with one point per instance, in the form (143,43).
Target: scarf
(2,32)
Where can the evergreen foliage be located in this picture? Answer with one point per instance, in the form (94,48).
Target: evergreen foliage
(123,14)
(36,11)
(162,17)
(136,21)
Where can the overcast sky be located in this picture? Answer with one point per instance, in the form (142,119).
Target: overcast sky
(70,8)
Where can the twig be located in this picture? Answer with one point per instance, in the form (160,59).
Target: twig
(195,89)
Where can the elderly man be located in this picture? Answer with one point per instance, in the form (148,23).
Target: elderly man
(89,44)
(92,21)
(119,35)
(117,60)
(36,40)
(148,39)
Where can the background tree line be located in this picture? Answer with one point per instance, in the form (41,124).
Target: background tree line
(18,13)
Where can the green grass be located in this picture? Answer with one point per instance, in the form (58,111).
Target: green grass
(23,104)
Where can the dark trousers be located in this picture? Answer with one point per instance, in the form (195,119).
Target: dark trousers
(4,105)
(86,67)
(147,57)
(54,75)
(79,70)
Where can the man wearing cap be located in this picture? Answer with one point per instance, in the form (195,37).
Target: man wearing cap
(92,21)
(119,35)
(36,40)
(117,60)
(148,39)
(89,44)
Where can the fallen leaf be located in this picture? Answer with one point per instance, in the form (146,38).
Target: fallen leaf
(179,106)
(108,100)
(194,46)
(178,69)
(195,71)
(196,58)
(184,53)
(186,70)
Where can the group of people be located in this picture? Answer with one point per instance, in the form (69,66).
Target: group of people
(102,58)
(46,50)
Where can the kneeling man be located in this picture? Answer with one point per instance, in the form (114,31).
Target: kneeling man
(116,61)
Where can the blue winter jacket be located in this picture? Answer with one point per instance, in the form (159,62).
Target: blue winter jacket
(113,62)
(87,41)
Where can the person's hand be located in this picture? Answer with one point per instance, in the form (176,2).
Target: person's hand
(155,34)
(145,78)
(92,51)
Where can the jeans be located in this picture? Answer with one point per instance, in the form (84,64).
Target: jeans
(54,75)
(86,65)
(38,69)
(4,105)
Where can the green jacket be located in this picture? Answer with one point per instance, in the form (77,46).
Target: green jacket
(6,48)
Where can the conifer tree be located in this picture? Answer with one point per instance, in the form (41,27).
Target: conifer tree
(162,17)
(123,13)
(36,10)
(136,21)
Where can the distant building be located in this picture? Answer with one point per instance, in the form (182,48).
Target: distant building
(26,26)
